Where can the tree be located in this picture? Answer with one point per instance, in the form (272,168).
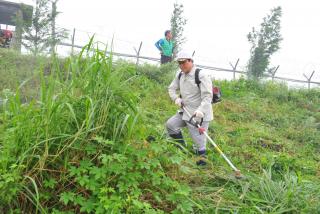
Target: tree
(57,34)
(42,34)
(265,42)
(36,38)
(177,27)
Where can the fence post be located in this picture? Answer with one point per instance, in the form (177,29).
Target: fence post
(138,56)
(234,68)
(274,72)
(138,53)
(72,41)
(309,79)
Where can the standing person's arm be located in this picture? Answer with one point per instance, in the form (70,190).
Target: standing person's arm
(158,44)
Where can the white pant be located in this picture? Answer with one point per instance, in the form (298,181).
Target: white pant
(175,123)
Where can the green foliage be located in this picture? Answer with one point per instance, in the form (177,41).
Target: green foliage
(262,193)
(19,71)
(177,27)
(162,75)
(77,143)
(283,195)
(78,146)
(57,34)
(35,37)
(124,179)
(265,42)
(41,33)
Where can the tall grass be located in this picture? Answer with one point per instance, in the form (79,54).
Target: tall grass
(77,144)
(84,101)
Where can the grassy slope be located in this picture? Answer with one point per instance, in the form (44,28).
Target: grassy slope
(15,69)
(258,126)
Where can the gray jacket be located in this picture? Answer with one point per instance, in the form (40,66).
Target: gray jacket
(194,97)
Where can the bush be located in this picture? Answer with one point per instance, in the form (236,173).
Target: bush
(75,148)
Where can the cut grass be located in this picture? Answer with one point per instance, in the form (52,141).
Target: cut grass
(78,144)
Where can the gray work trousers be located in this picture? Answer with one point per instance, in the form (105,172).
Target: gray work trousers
(175,123)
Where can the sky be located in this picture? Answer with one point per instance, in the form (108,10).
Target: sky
(216,30)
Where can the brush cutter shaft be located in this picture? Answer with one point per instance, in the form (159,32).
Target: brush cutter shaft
(220,152)
(213,143)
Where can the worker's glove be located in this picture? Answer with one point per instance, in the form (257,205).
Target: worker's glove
(198,114)
(178,102)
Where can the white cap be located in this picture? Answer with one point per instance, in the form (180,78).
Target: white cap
(183,55)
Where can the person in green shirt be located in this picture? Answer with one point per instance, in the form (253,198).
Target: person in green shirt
(165,46)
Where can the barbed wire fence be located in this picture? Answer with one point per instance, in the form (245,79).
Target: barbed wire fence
(233,66)
(79,38)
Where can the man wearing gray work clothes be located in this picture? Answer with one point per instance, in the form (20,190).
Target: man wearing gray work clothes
(195,99)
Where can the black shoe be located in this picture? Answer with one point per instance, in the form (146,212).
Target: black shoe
(202,155)
(201,163)
(179,139)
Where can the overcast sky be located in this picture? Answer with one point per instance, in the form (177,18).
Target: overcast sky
(216,30)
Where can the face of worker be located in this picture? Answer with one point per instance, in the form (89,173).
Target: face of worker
(169,36)
(186,65)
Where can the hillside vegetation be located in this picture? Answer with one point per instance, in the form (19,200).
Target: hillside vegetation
(86,135)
